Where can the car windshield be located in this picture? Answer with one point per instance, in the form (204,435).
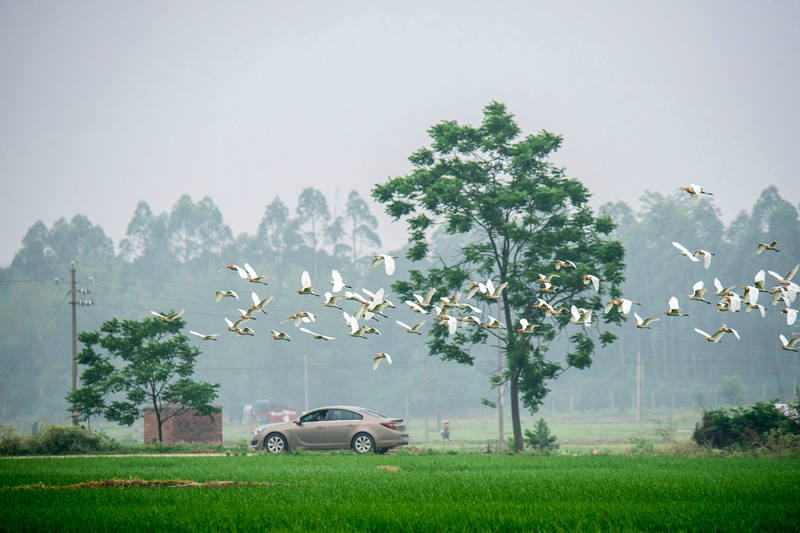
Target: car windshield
(373,413)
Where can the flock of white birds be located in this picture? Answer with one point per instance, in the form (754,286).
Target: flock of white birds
(370,305)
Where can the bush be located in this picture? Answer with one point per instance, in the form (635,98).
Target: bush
(744,427)
(540,439)
(642,447)
(55,440)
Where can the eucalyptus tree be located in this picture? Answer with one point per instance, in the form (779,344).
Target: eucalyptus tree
(313,213)
(518,214)
(196,230)
(360,227)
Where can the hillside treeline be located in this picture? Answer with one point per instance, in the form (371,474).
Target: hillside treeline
(171,261)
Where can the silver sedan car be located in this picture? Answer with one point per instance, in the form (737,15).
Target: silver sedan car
(337,427)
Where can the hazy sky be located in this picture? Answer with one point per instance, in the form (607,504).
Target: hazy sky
(104,104)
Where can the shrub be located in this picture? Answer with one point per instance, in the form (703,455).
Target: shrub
(55,440)
(642,447)
(540,439)
(745,427)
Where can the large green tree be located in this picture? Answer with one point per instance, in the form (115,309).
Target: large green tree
(133,364)
(517,214)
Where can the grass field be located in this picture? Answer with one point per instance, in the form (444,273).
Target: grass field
(426,492)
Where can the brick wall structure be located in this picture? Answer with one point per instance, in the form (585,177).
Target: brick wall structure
(185,427)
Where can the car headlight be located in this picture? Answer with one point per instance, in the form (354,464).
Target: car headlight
(258,430)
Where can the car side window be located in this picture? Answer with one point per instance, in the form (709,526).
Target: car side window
(314,416)
(349,415)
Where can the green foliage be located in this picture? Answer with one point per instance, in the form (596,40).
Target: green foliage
(540,438)
(745,427)
(642,447)
(155,364)
(55,440)
(515,214)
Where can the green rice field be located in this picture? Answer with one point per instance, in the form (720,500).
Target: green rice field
(404,491)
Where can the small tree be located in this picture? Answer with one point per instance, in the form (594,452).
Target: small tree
(150,362)
(540,439)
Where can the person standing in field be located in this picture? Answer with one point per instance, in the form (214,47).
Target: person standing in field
(445,432)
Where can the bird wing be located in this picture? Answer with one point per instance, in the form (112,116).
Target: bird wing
(703,333)
(377,260)
(305,279)
(242,272)
(637,317)
(250,271)
(626,306)
(788,277)
(682,249)
(388,263)
(159,315)
(673,303)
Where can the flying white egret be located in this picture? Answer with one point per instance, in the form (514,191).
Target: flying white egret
(623,305)
(785,280)
(279,335)
(722,291)
(581,316)
(245,331)
(527,327)
(698,293)
(300,317)
(493,323)
(475,286)
(674,308)
(387,260)
(791,315)
(330,300)
(711,338)
(317,336)
(411,329)
(222,294)
(378,356)
(644,324)
(706,257)
(548,278)
(772,246)
(415,307)
(205,337)
(337,282)
(564,264)
(789,345)
(760,280)
(725,329)
(594,280)
(305,281)
(252,276)
(425,301)
(246,314)
(760,308)
(169,318)
(258,304)
(750,296)
(492,292)
(682,249)
(695,191)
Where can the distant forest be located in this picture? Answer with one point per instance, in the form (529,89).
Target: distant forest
(171,261)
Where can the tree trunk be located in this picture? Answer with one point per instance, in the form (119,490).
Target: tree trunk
(514,399)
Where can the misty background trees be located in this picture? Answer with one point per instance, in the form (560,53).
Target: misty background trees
(171,261)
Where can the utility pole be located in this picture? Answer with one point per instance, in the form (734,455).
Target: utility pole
(75,303)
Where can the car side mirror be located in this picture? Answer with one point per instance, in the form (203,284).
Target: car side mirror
(297,421)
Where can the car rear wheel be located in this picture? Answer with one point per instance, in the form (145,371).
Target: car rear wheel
(275,443)
(363,443)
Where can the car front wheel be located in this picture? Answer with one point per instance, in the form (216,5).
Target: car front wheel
(275,443)
(363,443)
